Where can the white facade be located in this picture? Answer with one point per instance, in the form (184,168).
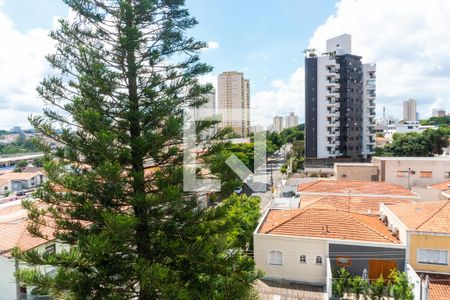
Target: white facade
(328,112)
(406,127)
(425,171)
(234,102)
(342,44)
(277,124)
(291,248)
(8,285)
(410,110)
(291,120)
(369,95)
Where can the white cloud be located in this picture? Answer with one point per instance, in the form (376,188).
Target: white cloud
(408,40)
(23,65)
(282,98)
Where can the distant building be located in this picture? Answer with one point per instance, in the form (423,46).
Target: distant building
(16,129)
(340,104)
(438,112)
(410,110)
(234,102)
(406,127)
(291,120)
(277,124)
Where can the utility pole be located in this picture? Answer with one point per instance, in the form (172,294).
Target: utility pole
(410,172)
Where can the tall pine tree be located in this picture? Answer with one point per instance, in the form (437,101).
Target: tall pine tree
(124,71)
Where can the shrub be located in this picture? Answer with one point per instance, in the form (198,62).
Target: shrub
(399,287)
(376,289)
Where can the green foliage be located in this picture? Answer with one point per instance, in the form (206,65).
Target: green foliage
(399,286)
(124,71)
(341,282)
(20,166)
(283,169)
(357,286)
(20,145)
(436,121)
(428,143)
(216,163)
(376,289)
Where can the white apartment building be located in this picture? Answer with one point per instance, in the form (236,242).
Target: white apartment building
(340,103)
(410,110)
(277,124)
(234,102)
(291,120)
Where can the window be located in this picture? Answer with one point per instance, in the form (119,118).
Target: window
(50,249)
(402,174)
(302,259)
(426,174)
(432,257)
(318,260)
(343,261)
(275,258)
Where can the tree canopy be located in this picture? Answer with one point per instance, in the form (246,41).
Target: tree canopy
(123,74)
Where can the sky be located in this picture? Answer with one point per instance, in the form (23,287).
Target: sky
(409,40)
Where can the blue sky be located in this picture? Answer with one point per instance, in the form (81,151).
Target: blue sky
(259,37)
(408,39)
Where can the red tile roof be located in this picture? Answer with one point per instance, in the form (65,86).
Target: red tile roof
(443,186)
(439,287)
(355,187)
(359,204)
(14,233)
(327,224)
(425,216)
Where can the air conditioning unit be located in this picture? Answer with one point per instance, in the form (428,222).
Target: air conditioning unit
(395,231)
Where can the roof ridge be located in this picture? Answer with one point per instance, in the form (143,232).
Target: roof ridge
(433,214)
(314,201)
(301,210)
(371,229)
(308,184)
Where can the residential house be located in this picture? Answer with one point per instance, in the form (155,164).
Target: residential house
(413,171)
(14,233)
(18,181)
(356,196)
(408,172)
(425,228)
(303,245)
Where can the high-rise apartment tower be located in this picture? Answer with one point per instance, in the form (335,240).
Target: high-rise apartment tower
(340,103)
(234,102)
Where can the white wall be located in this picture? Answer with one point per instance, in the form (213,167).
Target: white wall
(292,248)
(7,280)
(439,167)
(394,221)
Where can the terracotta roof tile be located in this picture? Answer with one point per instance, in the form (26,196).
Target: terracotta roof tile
(19,176)
(328,224)
(354,187)
(439,286)
(443,186)
(425,216)
(359,204)
(14,233)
